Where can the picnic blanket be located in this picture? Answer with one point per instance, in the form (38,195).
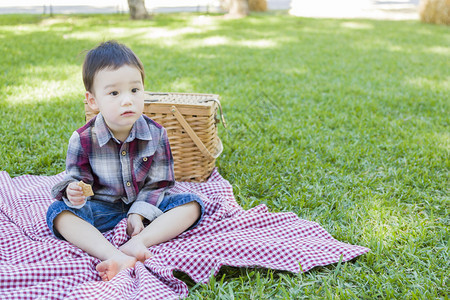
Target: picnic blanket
(34,264)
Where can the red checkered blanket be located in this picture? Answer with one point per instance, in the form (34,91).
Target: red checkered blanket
(34,264)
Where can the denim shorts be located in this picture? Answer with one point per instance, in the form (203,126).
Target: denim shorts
(105,215)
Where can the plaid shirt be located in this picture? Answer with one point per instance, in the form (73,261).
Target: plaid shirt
(137,171)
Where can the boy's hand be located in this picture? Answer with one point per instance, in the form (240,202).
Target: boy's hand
(74,193)
(134,224)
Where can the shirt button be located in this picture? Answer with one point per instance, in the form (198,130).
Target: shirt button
(144,159)
(128,183)
(124,152)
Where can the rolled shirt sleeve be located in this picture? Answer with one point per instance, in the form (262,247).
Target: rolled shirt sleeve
(77,169)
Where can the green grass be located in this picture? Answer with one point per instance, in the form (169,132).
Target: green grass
(344,122)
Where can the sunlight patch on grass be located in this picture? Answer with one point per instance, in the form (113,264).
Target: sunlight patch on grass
(258,43)
(215,41)
(104,34)
(296,71)
(384,44)
(442,140)
(163,35)
(207,56)
(34,88)
(356,25)
(314,30)
(21,29)
(182,84)
(85,35)
(157,33)
(395,48)
(118,30)
(55,21)
(47,90)
(221,40)
(439,50)
(421,82)
(389,224)
(204,21)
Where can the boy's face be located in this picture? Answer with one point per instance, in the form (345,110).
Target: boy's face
(119,95)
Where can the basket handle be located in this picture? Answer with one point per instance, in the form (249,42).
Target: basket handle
(191,133)
(220,109)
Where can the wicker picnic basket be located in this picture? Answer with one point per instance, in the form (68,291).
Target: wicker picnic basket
(191,123)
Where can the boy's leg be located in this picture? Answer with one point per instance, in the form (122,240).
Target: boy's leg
(167,226)
(89,239)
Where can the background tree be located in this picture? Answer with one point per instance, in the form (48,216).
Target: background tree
(236,8)
(138,10)
(257,5)
(435,11)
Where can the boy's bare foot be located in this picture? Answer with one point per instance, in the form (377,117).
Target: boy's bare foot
(136,248)
(109,268)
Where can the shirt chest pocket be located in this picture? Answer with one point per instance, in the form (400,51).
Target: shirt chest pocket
(143,161)
(142,167)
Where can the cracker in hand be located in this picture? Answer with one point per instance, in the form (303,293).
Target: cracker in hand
(87,189)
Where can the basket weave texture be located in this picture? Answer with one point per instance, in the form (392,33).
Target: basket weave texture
(191,124)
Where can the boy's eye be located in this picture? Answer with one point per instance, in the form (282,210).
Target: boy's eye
(115,93)
(135,90)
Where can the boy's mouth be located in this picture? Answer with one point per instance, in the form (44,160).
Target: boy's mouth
(127,113)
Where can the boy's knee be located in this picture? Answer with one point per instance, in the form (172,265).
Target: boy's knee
(196,203)
(196,212)
(58,222)
(195,206)
(62,216)
(191,207)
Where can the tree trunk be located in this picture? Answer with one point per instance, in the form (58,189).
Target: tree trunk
(138,10)
(435,11)
(238,8)
(257,5)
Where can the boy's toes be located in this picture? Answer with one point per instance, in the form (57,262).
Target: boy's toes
(102,271)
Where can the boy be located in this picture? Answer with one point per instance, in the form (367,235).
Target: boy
(126,158)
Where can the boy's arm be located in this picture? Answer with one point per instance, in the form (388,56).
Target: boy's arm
(77,169)
(160,178)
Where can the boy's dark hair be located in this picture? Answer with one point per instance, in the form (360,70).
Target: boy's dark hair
(111,55)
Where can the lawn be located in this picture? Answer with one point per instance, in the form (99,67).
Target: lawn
(344,122)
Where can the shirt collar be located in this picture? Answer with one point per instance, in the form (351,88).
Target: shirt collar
(140,130)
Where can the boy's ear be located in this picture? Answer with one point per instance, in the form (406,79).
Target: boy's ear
(91,100)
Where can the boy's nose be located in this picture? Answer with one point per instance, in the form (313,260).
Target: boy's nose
(126,100)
